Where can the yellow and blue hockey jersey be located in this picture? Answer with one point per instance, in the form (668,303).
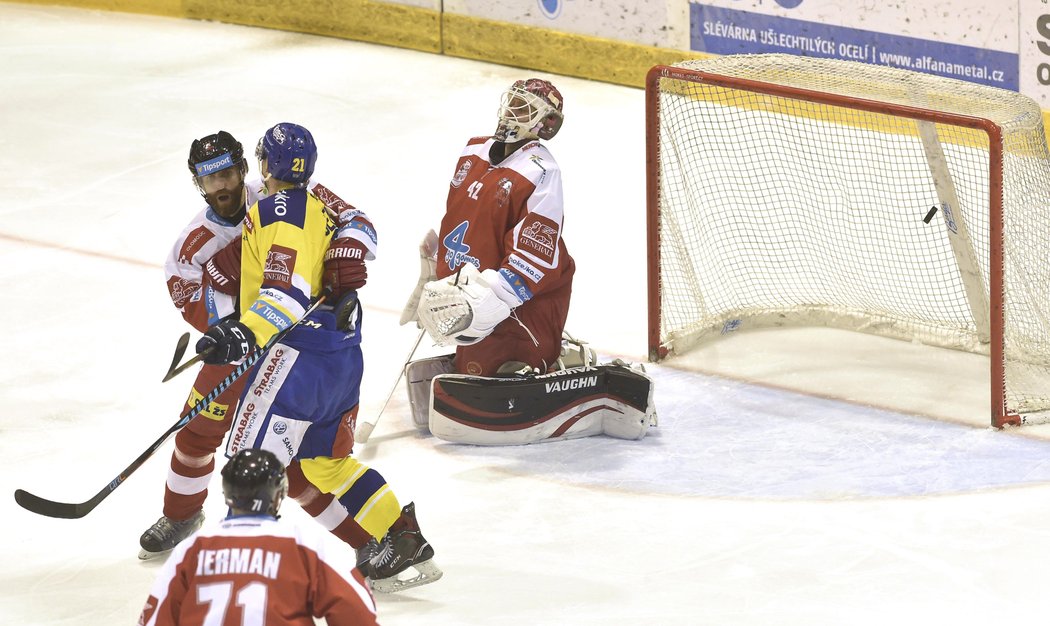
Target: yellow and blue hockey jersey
(282,259)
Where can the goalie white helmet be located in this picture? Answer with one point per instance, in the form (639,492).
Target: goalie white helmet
(530,109)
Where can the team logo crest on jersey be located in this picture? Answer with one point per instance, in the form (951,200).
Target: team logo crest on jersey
(503,189)
(280,263)
(461,174)
(540,239)
(181,290)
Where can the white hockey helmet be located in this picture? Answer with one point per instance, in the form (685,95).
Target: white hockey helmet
(530,109)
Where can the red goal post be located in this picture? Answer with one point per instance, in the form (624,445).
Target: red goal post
(792,191)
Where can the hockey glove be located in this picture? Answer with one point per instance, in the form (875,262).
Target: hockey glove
(226,342)
(427,272)
(223,270)
(461,309)
(344,266)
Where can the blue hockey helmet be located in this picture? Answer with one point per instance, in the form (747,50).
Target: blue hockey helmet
(290,153)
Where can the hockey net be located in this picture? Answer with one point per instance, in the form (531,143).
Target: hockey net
(792,191)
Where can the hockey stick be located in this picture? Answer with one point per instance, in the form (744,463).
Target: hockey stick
(176,369)
(365,428)
(63,510)
(427,251)
(180,349)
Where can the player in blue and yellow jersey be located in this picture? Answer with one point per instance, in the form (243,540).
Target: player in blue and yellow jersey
(302,397)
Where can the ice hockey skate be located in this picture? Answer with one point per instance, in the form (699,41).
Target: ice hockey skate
(365,554)
(403,548)
(165,534)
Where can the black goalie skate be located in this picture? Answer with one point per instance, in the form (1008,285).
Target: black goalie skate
(403,548)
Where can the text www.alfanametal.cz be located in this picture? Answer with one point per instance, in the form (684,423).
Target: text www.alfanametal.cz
(868,53)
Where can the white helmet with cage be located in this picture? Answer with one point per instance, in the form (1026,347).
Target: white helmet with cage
(530,109)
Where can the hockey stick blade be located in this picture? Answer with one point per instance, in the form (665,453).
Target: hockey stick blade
(172,373)
(49,508)
(180,349)
(64,510)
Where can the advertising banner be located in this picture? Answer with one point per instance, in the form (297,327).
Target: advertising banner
(1034,50)
(660,24)
(972,40)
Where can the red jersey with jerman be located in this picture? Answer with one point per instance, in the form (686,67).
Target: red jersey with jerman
(507,215)
(257,570)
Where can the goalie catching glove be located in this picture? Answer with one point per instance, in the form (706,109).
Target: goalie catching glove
(226,342)
(465,308)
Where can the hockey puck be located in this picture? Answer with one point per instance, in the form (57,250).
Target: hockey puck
(929,216)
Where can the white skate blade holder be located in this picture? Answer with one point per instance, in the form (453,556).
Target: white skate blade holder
(426,573)
(146,555)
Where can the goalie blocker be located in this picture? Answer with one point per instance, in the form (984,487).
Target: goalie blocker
(613,399)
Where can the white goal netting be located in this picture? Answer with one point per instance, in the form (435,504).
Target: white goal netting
(841,194)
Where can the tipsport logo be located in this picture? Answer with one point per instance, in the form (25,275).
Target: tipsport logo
(217,164)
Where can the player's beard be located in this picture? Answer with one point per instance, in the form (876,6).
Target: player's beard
(227,202)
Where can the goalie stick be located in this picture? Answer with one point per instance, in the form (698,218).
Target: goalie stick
(66,510)
(365,428)
(427,263)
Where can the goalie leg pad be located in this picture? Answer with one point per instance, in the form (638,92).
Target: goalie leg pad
(418,375)
(610,399)
(632,424)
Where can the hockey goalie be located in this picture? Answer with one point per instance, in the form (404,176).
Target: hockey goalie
(496,282)
(574,396)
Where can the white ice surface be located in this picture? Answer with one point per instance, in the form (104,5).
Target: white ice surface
(795,478)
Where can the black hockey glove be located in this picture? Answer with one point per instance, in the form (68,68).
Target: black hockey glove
(226,342)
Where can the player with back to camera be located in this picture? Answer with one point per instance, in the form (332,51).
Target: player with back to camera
(503,275)
(302,398)
(254,569)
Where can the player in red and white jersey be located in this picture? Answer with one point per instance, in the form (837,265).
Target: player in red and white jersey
(202,278)
(219,168)
(504,274)
(254,569)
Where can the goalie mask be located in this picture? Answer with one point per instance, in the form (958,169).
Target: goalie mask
(218,166)
(530,109)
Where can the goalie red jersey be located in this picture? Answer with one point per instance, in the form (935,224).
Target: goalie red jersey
(257,570)
(507,216)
